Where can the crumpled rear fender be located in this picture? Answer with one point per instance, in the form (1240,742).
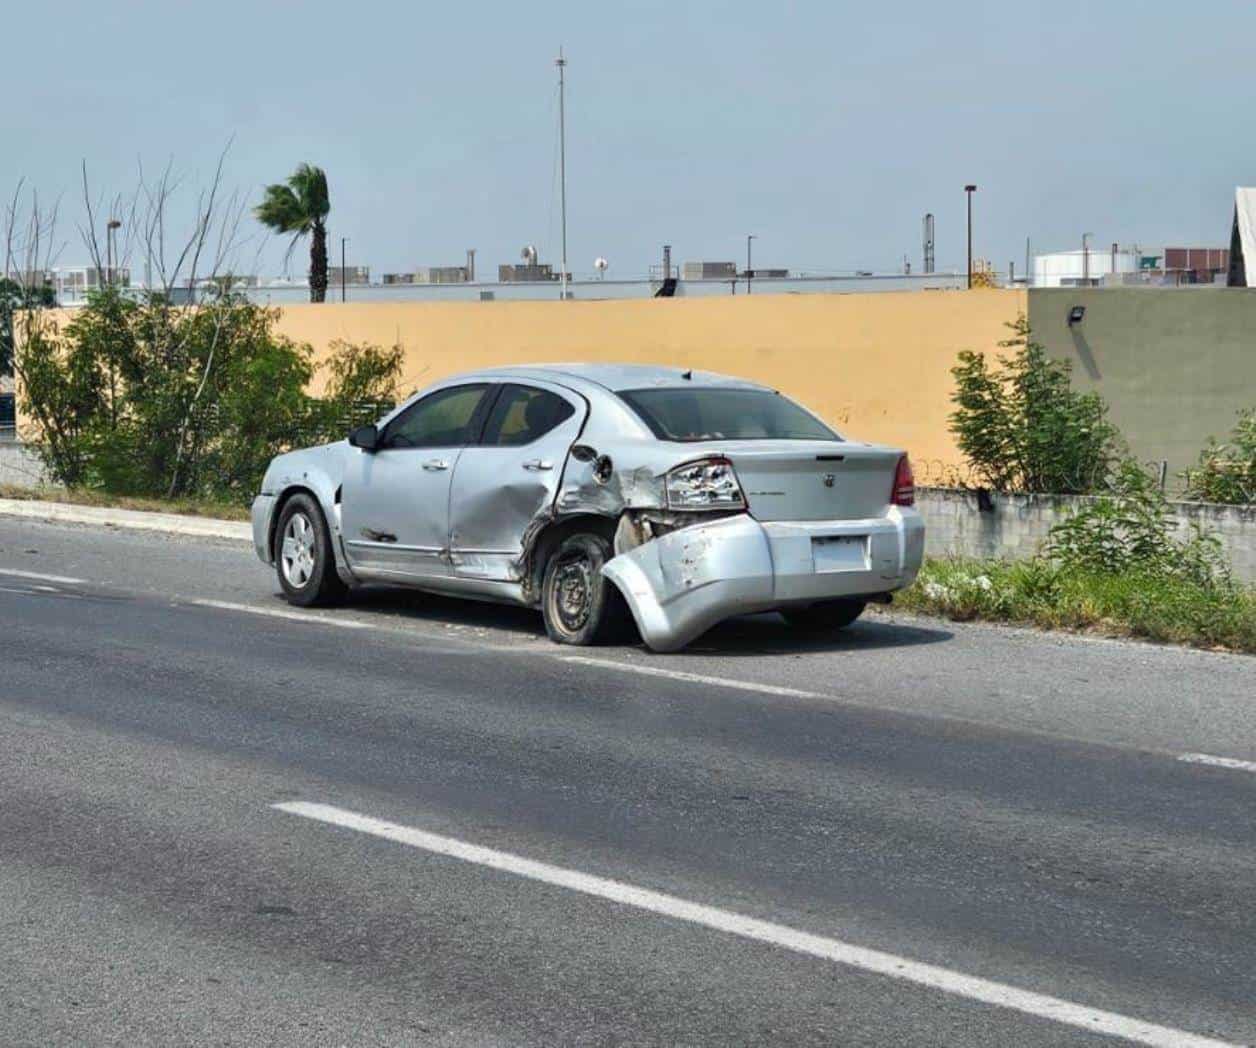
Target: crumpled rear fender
(680,585)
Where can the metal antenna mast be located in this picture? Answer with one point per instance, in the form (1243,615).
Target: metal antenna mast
(561,62)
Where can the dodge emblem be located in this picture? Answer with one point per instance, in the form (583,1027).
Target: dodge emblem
(829,479)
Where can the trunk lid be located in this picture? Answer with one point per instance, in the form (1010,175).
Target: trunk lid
(814,480)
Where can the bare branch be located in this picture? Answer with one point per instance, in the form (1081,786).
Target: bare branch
(88,232)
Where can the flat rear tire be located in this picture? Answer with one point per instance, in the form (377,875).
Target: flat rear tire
(580,605)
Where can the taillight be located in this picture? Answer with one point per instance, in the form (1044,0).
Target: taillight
(709,483)
(904,493)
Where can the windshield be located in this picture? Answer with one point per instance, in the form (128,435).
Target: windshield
(724,414)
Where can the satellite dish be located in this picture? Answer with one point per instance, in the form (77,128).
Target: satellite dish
(528,254)
(600,265)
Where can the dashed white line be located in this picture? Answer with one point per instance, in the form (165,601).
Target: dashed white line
(878,962)
(1218,762)
(64,579)
(695,678)
(276,613)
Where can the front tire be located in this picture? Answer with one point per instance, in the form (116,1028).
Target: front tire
(829,617)
(304,560)
(580,605)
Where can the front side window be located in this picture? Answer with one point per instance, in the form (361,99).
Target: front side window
(523,414)
(723,414)
(441,420)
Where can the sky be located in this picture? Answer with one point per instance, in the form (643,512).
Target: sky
(826,129)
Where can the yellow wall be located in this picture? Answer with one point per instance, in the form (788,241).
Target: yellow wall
(875,365)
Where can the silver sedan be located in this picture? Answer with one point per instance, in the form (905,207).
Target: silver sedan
(605,495)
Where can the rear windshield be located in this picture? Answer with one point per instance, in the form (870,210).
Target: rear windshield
(723,414)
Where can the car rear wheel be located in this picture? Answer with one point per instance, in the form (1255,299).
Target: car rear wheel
(579,604)
(828,617)
(304,560)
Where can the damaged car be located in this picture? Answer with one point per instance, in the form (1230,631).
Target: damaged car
(605,496)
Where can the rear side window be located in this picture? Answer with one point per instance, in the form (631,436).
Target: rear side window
(441,420)
(723,414)
(523,414)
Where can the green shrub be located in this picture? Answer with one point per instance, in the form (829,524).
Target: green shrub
(147,399)
(1227,471)
(361,387)
(1117,564)
(15,296)
(1022,427)
(1132,528)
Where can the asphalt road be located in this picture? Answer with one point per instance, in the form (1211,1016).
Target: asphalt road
(572,841)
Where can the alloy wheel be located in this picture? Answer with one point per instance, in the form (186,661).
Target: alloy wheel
(298,551)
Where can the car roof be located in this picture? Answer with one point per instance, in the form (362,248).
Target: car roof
(618,377)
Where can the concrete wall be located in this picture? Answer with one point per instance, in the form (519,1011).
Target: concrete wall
(19,466)
(875,365)
(1017,525)
(1174,365)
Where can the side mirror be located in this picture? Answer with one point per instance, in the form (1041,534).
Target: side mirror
(583,453)
(365,437)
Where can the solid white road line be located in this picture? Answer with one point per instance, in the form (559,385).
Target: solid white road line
(42,578)
(695,678)
(998,994)
(1218,762)
(278,613)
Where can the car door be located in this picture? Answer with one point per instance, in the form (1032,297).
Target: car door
(395,499)
(511,476)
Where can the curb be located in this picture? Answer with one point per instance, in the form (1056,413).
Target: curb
(128,519)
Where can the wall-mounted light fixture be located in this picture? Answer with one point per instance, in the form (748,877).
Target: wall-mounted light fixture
(1076,315)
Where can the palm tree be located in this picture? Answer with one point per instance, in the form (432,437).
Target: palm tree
(300,207)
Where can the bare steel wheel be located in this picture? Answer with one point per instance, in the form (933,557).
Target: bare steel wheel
(579,604)
(304,560)
(572,591)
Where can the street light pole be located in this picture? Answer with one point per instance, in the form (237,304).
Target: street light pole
(343,241)
(561,62)
(749,268)
(970,190)
(110,226)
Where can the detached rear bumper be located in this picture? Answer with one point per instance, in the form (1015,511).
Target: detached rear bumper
(682,584)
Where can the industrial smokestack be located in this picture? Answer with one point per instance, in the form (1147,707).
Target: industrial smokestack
(470,265)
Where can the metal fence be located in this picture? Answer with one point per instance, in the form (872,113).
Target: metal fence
(8,416)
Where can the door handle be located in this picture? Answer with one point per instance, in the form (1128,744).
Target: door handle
(538,465)
(435,465)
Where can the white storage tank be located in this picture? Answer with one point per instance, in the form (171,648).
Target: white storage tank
(1076,269)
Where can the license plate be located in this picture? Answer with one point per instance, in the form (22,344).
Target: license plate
(840,553)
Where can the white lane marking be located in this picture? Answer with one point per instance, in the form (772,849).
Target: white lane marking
(1219,762)
(277,613)
(944,979)
(695,678)
(42,578)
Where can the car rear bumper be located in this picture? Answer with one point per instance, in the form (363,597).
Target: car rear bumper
(680,585)
(262,513)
